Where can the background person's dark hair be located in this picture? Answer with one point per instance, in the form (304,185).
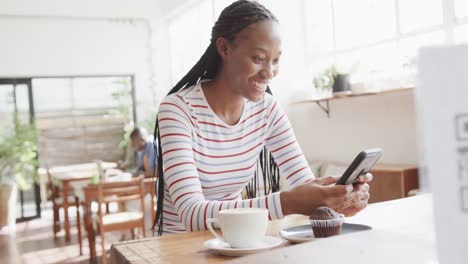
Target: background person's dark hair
(139,132)
(231,21)
(135,132)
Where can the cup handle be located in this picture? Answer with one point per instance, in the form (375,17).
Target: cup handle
(209,224)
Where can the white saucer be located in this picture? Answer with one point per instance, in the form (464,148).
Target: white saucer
(298,234)
(304,233)
(219,247)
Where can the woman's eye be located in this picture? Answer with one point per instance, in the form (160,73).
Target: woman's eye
(259,60)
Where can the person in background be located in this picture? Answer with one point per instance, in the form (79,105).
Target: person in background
(143,144)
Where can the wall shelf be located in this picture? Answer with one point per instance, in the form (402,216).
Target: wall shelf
(324,103)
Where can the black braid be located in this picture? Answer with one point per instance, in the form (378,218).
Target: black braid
(231,21)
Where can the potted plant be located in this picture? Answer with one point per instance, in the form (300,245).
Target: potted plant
(333,79)
(18,166)
(323,82)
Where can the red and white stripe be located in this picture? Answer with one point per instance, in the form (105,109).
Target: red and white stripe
(207,162)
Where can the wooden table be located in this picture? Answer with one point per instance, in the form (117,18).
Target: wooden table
(402,233)
(66,174)
(91,194)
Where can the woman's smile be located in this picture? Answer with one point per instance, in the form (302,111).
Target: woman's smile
(258,86)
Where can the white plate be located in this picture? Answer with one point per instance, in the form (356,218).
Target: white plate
(219,247)
(304,233)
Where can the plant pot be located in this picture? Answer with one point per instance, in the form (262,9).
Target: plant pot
(8,195)
(341,83)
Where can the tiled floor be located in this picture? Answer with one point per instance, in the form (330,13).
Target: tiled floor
(34,243)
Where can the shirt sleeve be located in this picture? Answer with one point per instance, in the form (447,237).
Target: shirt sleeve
(282,144)
(181,175)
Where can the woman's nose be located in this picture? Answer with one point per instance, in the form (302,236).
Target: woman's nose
(268,71)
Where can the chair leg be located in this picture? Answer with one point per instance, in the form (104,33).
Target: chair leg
(103,246)
(143,230)
(56,224)
(132,232)
(78,225)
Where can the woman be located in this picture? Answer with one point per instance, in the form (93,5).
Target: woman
(217,124)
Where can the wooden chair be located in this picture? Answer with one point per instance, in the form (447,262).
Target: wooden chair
(54,195)
(120,192)
(152,193)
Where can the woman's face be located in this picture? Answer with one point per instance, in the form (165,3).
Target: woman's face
(252,59)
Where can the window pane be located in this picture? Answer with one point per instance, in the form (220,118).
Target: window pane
(67,94)
(461,8)
(319,26)
(382,58)
(7,106)
(413,17)
(461,34)
(52,94)
(22,98)
(219,5)
(372,21)
(318,65)
(409,46)
(96,93)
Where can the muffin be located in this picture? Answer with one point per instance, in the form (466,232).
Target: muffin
(326,222)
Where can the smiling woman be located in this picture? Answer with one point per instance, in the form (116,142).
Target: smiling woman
(220,121)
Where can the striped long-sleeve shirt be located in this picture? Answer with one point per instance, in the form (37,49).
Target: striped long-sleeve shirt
(207,162)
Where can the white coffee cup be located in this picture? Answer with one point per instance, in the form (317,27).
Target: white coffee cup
(241,227)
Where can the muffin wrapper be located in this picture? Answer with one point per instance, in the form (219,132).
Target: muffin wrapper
(326,228)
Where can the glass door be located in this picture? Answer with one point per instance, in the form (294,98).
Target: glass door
(17,117)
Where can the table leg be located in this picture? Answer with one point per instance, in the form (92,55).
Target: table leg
(65,187)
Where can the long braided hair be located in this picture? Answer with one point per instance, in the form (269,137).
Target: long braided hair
(231,21)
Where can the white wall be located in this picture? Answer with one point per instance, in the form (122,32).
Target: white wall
(171,7)
(387,121)
(33,46)
(63,38)
(83,8)
(162,60)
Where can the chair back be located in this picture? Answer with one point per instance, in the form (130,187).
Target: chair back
(120,192)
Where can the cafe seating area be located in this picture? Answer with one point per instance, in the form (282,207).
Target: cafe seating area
(368,92)
(120,208)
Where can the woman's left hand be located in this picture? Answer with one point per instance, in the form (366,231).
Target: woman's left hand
(362,189)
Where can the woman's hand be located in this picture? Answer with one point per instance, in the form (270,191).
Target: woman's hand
(362,189)
(307,197)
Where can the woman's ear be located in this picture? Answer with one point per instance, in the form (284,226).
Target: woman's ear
(222,46)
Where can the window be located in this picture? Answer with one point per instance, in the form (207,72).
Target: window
(7,106)
(361,22)
(79,93)
(420,14)
(461,34)
(218,6)
(461,8)
(318,21)
(371,37)
(380,38)
(409,46)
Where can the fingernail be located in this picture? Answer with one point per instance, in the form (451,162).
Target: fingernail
(349,188)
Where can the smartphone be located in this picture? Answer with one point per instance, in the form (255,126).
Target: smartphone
(361,165)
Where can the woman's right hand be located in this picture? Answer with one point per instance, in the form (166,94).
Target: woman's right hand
(305,198)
